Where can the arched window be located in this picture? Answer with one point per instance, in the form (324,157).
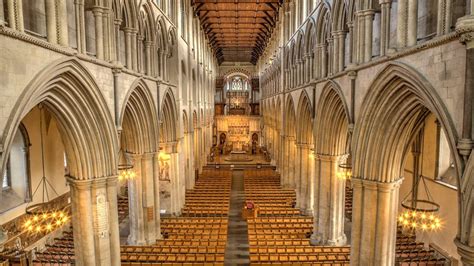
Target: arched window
(237,84)
(16,187)
(34,17)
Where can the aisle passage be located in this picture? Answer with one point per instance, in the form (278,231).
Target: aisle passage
(237,252)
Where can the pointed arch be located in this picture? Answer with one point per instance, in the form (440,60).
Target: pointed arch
(169,117)
(332,122)
(290,121)
(304,127)
(130,14)
(139,120)
(396,100)
(71,94)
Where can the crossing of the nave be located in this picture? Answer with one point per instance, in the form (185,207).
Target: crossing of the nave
(236,132)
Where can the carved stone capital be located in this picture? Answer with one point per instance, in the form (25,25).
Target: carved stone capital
(465,27)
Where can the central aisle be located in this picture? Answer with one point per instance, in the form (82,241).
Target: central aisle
(237,251)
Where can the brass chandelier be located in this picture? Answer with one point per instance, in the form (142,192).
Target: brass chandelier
(43,217)
(419,214)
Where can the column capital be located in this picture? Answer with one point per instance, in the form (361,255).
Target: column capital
(376,185)
(89,183)
(466,252)
(327,157)
(97,10)
(465,27)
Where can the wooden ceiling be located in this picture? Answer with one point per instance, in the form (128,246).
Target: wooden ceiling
(238,30)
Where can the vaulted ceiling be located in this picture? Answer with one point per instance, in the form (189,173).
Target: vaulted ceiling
(238,30)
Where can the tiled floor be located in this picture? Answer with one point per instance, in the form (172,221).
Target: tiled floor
(237,252)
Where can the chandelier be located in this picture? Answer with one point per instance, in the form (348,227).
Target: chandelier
(125,168)
(43,217)
(126,172)
(345,169)
(419,214)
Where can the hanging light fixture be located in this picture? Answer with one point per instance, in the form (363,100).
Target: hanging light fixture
(43,217)
(345,169)
(125,168)
(419,214)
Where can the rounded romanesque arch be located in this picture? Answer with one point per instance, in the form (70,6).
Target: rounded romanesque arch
(392,114)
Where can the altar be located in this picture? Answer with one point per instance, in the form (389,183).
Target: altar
(238,134)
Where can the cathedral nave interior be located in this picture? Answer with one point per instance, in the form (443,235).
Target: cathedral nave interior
(203,132)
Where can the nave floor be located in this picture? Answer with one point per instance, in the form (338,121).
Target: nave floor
(211,230)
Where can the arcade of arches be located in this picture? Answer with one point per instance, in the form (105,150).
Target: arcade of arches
(196,132)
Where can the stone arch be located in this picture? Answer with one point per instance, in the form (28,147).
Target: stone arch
(304,127)
(332,137)
(139,120)
(72,96)
(168,118)
(332,122)
(465,238)
(402,94)
(396,104)
(309,36)
(185,122)
(130,14)
(161,34)
(70,92)
(290,123)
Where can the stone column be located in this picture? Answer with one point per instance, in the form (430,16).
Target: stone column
(176,201)
(107,31)
(374,227)
(95,221)
(444,18)
(330,57)
(360,39)
(99,33)
(128,48)
(339,46)
(329,203)
(384,26)
(135,202)
(368,18)
(133,51)
(285,162)
(140,59)
(412,23)
(63,37)
(148,70)
(352,52)
(113,221)
(304,178)
(402,23)
(324,60)
(465,241)
(80,25)
(298,176)
(82,221)
(292,178)
(156,190)
(148,193)
(51,19)
(117,24)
